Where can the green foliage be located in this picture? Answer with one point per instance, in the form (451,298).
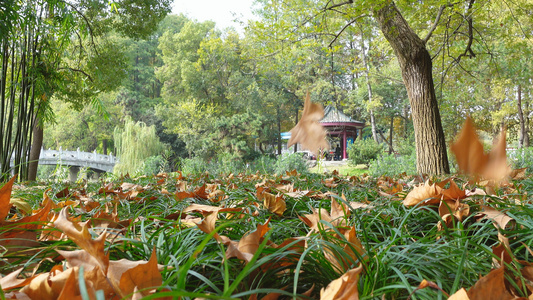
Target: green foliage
(134,144)
(194,165)
(362,151)
(291,161)
(406,147)
(522,158)
(154,165)
(391,164)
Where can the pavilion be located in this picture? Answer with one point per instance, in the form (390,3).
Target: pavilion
(341,127)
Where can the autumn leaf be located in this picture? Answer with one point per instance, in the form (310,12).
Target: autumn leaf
(426,193)
(11,280)
(273,203)
(81,236)
(459,295)
(500,219)
(5,196)
(309,132)
(472,159)
(144,277)
(246,247)
(343,288)
(491,287)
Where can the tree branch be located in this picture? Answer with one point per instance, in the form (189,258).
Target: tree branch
(78,70)
(437,19)
(344,28)
(337,5)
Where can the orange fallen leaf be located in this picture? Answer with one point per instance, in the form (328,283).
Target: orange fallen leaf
(426,193)
(144,278)
(309,132)
(459,295)
(11,280)
(246,247)
(343,288)
(273,203)
(5,195)
(491,287)
(81,236)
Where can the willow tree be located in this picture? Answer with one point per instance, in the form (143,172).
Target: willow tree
(134,144)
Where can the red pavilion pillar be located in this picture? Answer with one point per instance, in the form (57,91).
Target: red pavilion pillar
(344,143)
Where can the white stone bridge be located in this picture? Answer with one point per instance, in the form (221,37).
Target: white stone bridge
(75,160)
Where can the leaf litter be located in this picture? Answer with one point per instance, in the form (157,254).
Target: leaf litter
(209,203)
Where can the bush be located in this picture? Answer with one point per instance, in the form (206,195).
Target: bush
(193,166)
(154,165)
(227,163)
(291,161)
(390,165)
(522,158)
(264,164)
(363,151)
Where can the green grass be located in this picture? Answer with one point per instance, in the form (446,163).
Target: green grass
(347,169)
(404,245)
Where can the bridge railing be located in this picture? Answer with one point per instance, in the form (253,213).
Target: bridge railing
(89,157)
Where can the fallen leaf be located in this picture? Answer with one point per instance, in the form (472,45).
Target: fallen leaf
(459,295)
(491,287)
(143,277)
(10,281)
(248,245)
(5,196)
(81,236)
(426,193)
(343,288)
(273,203)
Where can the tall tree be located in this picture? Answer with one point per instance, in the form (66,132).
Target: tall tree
(416,66)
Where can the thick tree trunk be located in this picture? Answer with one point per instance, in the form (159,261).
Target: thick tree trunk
(35,151)
(416,66)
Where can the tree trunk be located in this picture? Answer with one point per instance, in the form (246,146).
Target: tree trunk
(415,63)
(523,133)
(279,132)
(391,131)
(369,89)
(35,151)
(104,146)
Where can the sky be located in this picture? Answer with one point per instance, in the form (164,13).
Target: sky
(219,11)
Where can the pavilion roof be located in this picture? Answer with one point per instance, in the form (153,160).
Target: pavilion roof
(333,115)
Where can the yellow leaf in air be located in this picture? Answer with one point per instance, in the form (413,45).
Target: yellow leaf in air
(472,159)
(309,132)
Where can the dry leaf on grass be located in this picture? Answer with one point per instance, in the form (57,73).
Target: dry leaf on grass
(343,288)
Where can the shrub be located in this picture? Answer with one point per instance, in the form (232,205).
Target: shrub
(289,162)
(363,151)
(406,146)
(154,165)
(264,164)
(193,166)
(390,165)
(522,158)
(227,163)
